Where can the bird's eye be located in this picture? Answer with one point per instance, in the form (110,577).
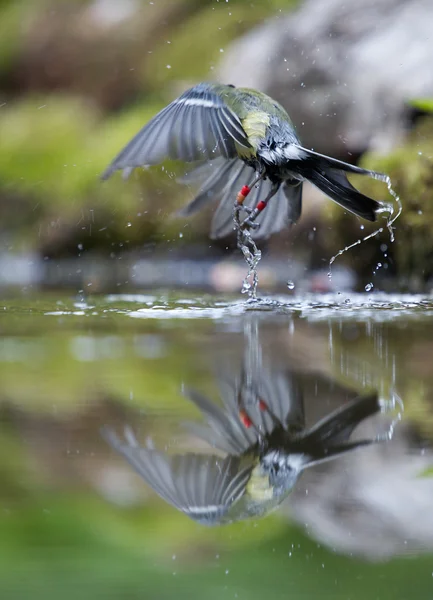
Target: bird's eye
(230,85)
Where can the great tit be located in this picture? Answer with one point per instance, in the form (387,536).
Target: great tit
(258,448)
(245,144)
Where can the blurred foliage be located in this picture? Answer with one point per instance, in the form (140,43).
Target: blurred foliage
(423,104)
(55,176)
(64,68)
(77,546)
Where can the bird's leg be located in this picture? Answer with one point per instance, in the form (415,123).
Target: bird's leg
(241,197)
(245,242)
(249,221)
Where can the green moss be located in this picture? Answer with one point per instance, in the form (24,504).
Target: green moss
(423,104)
(52,152)
(12,15)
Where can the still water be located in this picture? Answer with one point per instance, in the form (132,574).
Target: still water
(170,447)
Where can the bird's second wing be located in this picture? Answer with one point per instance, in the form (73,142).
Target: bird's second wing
(253,407)
(220,180)
(203,486)
(196,126)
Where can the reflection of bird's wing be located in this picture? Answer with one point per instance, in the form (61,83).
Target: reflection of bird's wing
(224,429)
(196,126)
(201,486)
(268,400)
(330,436)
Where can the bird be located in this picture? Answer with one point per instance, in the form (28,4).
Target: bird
(259,447)
(242,143)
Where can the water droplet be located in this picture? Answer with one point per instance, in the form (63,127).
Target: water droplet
(369,287)
(181,235)
(291,285)
(361,227)
(168,66)
(129,224)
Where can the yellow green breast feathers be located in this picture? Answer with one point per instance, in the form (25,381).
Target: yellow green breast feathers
(255,125)
(258,486)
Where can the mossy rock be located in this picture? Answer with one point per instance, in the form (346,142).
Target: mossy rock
(52,152)
(410,168)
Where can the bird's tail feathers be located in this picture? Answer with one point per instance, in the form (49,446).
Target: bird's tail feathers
(329,175)
(327,162)
(339,425)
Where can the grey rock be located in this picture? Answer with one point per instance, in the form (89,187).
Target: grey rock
(345,71)
(372,503)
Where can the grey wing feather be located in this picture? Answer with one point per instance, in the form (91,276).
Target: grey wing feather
(201,486)
(211,179)
(196,126)
(224,429)
(220,180)
(293,193)
(283,395)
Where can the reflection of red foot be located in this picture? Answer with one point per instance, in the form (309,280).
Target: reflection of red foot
(263,406)
(246,421)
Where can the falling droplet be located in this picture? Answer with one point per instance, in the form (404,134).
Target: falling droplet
(291,285)
(369,287)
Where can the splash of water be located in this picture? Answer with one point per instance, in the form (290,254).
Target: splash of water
(252,256)
(395,403)
(389,208)
(386,208)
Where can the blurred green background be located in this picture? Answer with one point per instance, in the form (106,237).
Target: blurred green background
(79,78)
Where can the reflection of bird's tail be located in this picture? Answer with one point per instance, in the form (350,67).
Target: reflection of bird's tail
(329,175)
(330,436)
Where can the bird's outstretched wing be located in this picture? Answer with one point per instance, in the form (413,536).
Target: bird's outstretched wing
(198,125)
(203,486)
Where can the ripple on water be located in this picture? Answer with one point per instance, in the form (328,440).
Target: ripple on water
(378,306)
(358,306)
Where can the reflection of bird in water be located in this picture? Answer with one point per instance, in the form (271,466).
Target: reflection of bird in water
(263,447)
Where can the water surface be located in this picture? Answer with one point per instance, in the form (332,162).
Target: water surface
(76,519)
